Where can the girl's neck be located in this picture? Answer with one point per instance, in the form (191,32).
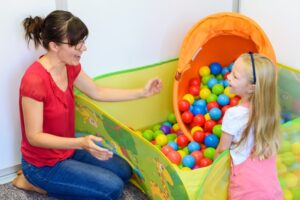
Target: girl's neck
(245,103)
(51,63)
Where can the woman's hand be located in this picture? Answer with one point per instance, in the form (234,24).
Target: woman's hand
(152,87)
(89,144)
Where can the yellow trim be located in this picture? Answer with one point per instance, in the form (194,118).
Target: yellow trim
(289,68)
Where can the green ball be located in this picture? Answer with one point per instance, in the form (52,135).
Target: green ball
(172,118)
(148,134)
(209,152)
(285,147)
(217,130)
(219,77)
(171,137)
(205,79)
(296,192)
(156,127)
(157,132)
(218,89)
(211,97)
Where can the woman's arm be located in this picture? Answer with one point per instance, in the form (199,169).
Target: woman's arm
(225,142)
(85,84)
(33,121)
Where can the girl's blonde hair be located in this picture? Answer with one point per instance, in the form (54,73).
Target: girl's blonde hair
(264,115)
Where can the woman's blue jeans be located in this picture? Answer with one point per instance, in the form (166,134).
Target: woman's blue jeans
(81,177)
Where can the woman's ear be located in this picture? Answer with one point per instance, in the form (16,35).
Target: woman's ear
(53,46)
(251,88)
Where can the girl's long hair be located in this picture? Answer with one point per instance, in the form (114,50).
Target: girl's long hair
(264,115)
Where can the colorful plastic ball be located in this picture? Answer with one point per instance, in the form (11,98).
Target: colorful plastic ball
(198,155)
(161,139)
(174,157)
(219,77)
(212,104)
(166,149)
(196,110)
(218,89)
(209,152)
(234,101)
(212,97)
(215,68)
(225,83)
(199,120)
(171,137)
(207,117)
(182,153)
(215,113)
(209,125)
(212,82)
(187,117)
(188,161)
(200,102)
(211,140)
(205,79)
(196,128)
(225,70)
(182,141)
(198,136)
(148,134)
(223,99)
(156,127)
(204,93)
(204,71)
(217,130)
(174,145)
(296,148)
(225,108)
(190,98)
(291,179)
(165,129)
(194,90)
(193,146)
(225,76)
(296,192)
(228,93)
(175,127)
(172,118)
(194,81)
(183,105)
(157,132)
(204,162)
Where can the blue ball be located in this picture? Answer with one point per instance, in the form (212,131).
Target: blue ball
(169,124)
(193,146)
(215,68)
(174,145)
(200,102)
(188,161)
(215,113)
(198,110)
(225,83)
(225,70)
(211,82)
(211,140)
(230,66)
(223,99)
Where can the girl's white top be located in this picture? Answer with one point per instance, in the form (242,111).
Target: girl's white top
(234,122)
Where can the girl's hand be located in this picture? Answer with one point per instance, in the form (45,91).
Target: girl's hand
(152,87)
(89,144)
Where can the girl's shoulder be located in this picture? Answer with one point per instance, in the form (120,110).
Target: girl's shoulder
(237,111)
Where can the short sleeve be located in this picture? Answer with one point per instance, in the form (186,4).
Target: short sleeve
(231,123)
(33,86)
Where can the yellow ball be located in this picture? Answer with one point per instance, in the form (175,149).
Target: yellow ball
(296,148)
(204,93)
(204,71)
(186,169)
(227,92)
(176,127)
(190,98)
(287,195)
(196,128)
(161,139)
(182,153)
(291,180)
(207,116)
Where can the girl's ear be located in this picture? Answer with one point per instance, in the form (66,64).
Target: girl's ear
(251,88)
(53,46)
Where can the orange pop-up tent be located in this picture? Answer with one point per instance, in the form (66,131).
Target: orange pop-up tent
(219,38)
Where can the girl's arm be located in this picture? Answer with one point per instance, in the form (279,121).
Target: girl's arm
(85,84)
(33,122)
(225,142)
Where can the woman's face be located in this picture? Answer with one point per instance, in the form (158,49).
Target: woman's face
(71,54)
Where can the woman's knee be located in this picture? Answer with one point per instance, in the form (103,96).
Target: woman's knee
(115,189)
(125,173)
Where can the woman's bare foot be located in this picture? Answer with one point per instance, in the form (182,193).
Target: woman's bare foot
(21,182)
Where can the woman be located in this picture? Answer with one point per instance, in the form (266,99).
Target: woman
(53,160)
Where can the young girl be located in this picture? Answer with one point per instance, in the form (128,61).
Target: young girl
(53,160)
(252,130)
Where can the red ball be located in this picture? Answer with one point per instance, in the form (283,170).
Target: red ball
(182,141)
(234,101)
(187,117)
(224,109)
(198,136)
(198,155)
(194,81)
(211,105)
(174,157)
(205,162)
(199,120)
(194,90)
(225,75)
(209,124)
(166,149)
(184,105)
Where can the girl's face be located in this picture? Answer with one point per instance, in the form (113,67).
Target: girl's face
(71,54)
(238,80)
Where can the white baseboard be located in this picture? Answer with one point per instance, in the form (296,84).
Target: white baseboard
(8,174)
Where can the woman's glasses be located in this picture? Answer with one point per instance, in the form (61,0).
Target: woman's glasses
(253,67)
(78,46)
